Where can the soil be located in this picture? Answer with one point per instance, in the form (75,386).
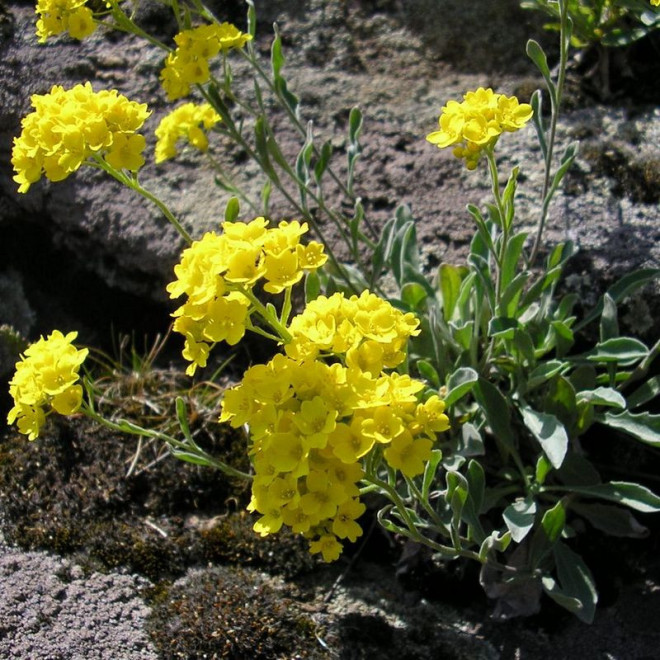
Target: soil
(162,562)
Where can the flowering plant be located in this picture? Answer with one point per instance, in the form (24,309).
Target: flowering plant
(458,398)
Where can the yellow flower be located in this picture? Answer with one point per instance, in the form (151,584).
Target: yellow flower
(408,454)
(187,122)
(188,64)
(655,3)
(57,16)
(477,122)
(328,546)
(68,127)
(46,380)
(344,525)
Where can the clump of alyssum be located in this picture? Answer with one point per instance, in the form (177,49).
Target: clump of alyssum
(317,412)
(477,122)
(217,275)
(188,63)
(68,127)
(187,122)
(57,16)
(46,381)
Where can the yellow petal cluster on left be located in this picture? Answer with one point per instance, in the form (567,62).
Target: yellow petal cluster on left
(57,16)
(69,126)
(216,270)
(45,381)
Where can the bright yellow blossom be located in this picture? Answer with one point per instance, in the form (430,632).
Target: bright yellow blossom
(57,16)
(477,122)
(188,64)
(46,380)
(68,127)
(187,122)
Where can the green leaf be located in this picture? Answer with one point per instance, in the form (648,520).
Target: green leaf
(461,382)
(543,467)
(476,479)
(519,517)
(276,57)
(645,393)
(576,581)
(510,297)
(545,372)
(537,106)
(462,333)
(602,396)
(449,283)
(428,372)
(189,457)
(609,324)
(536,54)
(612,520)
(430,470)
(553,521)
(510,260)
(642,426)
(508,202)
(549,432)
(619,290)
(312,286)
(624,350)
(566,161)
(503,328)
(413,294)
(232,209)
(497,541)
(470,442)
(497,412)
(553,590)
(323,161)
(632,495)
(182,418)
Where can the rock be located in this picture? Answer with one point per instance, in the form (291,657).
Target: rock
(400,62)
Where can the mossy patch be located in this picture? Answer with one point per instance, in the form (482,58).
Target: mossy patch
(229,612)
(68,492)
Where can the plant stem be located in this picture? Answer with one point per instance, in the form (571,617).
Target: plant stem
(131,182)
(124,426)
(555,94)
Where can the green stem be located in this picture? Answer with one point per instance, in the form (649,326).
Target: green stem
(266,315)
(555,94)
(131,182)
(124,426)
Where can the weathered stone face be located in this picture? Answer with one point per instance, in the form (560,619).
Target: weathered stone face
(400,62)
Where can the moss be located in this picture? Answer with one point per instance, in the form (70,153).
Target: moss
(68,492)
(230,613)
(232,540)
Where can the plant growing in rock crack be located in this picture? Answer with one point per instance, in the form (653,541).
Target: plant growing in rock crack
(600,25)
(460,397)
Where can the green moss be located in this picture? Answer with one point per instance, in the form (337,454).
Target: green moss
(230,613)
(68,492)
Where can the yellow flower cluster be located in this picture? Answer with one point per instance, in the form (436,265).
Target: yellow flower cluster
(655,3)
(312,423)
(367,329)
(45,381)
(188,122)
(69,126)
(188,64)
(216,270)
(477,123)
(57,16)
